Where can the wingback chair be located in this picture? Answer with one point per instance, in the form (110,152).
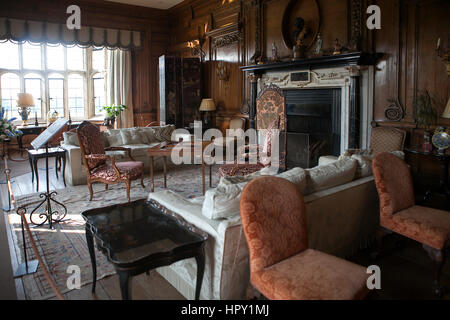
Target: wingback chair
(399,214)
(282,266)
(271,116)
(95,161)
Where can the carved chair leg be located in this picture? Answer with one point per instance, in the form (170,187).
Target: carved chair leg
(128,189)
(91,192)
(438,257)
(106,186)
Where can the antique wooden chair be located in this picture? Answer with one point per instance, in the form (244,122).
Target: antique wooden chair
(270,115)
(95,160)
(399,214)
(282,267)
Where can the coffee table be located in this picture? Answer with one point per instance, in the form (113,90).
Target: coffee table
(165,151)
(139,236)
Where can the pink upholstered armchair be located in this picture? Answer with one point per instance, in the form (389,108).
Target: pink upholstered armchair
(281,264)
(270,115)
(400,214)
(95,161)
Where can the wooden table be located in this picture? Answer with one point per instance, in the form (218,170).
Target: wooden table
(165,151)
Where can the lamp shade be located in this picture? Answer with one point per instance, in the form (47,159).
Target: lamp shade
(25,100)
(446,113)
(207,105)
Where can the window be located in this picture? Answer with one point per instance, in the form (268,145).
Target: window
(99,93)
(75,96)
(31,56)
(33,85)
(55,57)
(9,56)
(67,80)
(10,89)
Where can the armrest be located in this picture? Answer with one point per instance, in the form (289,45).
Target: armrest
(128,151)
(98,156)
(104,157)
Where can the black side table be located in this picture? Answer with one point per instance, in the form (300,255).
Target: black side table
(34,155)
(140,236)
(443,160)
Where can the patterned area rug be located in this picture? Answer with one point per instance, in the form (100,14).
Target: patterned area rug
(66,244)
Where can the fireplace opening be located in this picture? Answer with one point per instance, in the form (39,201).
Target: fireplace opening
(313,125)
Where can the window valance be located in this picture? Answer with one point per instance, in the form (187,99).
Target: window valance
(54,33)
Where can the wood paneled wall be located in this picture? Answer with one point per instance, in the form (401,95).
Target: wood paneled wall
(153,24)
(408,38)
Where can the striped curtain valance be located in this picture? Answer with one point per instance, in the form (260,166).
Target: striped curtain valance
(53,33)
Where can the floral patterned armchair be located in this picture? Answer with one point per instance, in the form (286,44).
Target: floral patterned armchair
(270,116)
(95,160)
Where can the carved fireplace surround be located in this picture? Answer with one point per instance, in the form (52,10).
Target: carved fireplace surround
(353,73)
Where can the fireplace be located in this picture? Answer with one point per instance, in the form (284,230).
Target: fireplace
(314,125)
(329,102)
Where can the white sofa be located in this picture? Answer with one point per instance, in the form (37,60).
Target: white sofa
(137,139)
(341,219)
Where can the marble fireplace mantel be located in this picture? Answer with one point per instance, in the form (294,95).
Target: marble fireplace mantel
(353,73)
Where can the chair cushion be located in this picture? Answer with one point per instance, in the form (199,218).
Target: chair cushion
(425,225)
(129,170)
(312,275)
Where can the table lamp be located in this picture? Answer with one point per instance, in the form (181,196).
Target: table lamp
(24,103)
(207,107)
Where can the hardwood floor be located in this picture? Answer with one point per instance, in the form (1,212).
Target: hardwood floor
(151,287)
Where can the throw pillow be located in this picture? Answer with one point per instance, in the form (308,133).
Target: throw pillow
(150,134)
(164,133)
(224,201)
(114,138)
(132,136)
(71,138)
(364,168)
(331,175)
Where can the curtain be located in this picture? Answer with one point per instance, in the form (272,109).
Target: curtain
(120,85)
(52,33)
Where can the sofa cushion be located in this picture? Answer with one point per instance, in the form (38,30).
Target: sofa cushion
(133,136)
(149,132)
(71,138)
(333,174)
(114,138)
(224,201)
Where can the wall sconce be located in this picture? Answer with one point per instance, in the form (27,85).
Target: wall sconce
(196,46)
(222,71)
(444,54)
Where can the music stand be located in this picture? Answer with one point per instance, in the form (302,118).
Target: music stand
(39,142)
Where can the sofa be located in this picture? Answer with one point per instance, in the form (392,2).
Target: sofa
(138,139)
(342,217)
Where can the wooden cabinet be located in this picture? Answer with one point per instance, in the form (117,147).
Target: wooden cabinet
(180,90)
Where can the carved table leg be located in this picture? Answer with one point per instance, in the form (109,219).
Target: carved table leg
(200,258)
(90,244)
(125,284)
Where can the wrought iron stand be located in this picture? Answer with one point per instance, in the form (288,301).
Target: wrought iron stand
(47,201)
